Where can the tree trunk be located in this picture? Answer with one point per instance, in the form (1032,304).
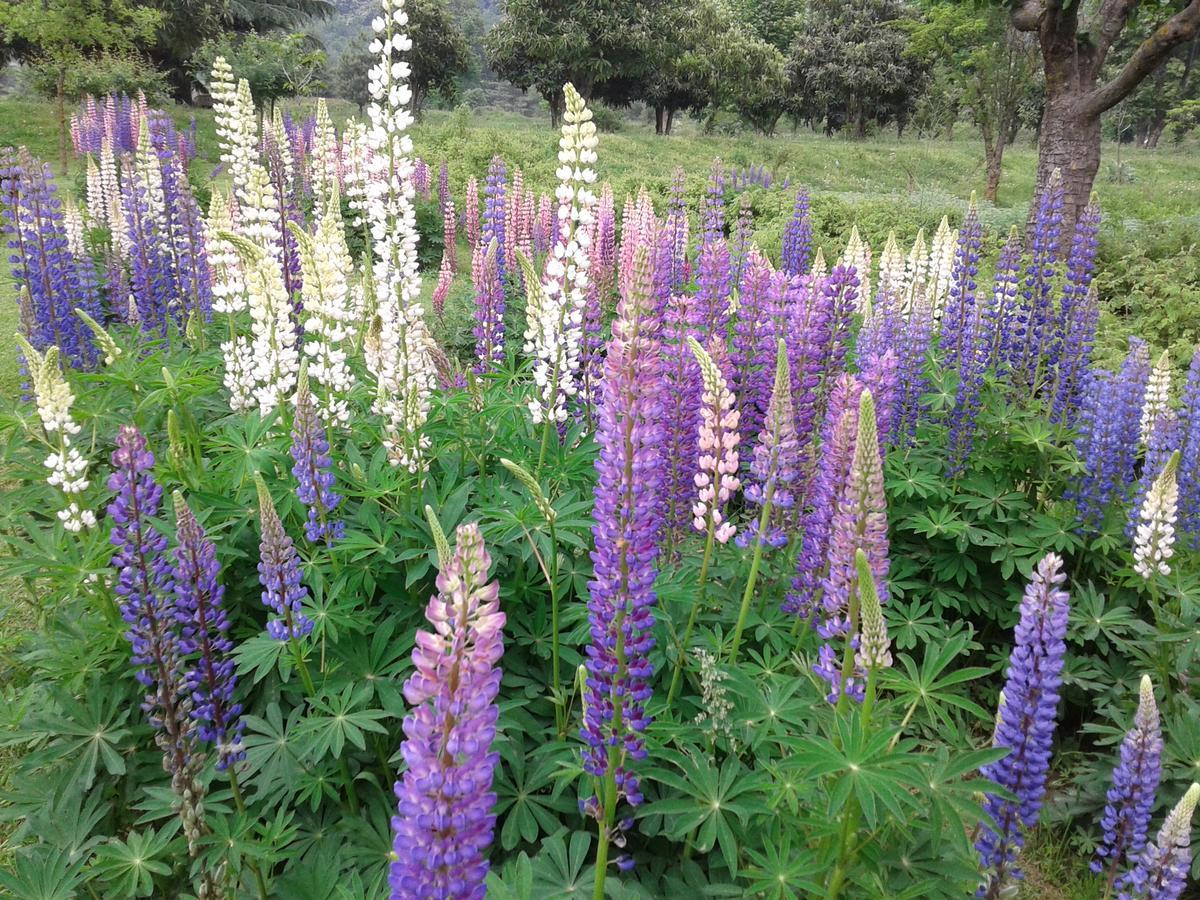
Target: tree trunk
(660,119)
(670,118)
(993,154)
(1069,142)
(60,88)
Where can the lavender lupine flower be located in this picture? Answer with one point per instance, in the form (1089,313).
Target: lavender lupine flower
(443,187)
(880,376)
(754,341)
(1004,317)
(712,227)
(1126,818)
(972,361)
(471,212)
(1109,418)
(489,307)
(204,625)
(837,447)
(714,281)
(842,289)
(313,469)
(1025,725)
(1154,540)
(676,233)
(960,314)
(444,821)
(150,281)
(1189,453)
(604,247)
(1164,440)
(33,223)
(622,598)
(797,237)
(1162,871)
(147,599)
(279,574)
(1038,285)
(775,469)
(814,313)
(1078,312)
(742,238)
(716,478)
(192,274)
(859,522)
(880,325)
(494,214)
(680,412)
(912,346)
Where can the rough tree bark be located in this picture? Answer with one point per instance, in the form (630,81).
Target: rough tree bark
(1072,60)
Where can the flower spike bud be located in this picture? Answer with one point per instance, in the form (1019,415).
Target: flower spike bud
(874,647)
(1162,871)
(523,475)
(103,339)
(439,537)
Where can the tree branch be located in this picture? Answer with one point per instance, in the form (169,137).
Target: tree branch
(1113,16)
(1027,15)
(1178,29)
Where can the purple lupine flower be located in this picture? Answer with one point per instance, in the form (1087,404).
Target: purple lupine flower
(495,213)
(289,212)
(742,238)
(840,289)
(1130,800)
(1037,288)
(185,227)
(1025,725)
(151,280)
(880,375)
(444,819)
(881,322)
(712,226)
(813,311)
(204,625)
(421,179)
(279,574)
(912,345)
(1162,870)
(1189,453)
(622,597)
(676,231)
(604,246)
(444,184)
(709,311)
(1109,420)
(144,584)
(1070,352)
(754,342)
(1163,441)
(32,221)
(471,212)
(1005,322)
(797,238)
(489,306)
(958,320)
(680,410)
(859,522)
(313,470)
(971,363)
(837,447)
(774,479)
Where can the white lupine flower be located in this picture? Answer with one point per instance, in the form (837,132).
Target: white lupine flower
(858,255)
(820,268)
(115,212)
(96,204)
(1158,396)
(229,292)
(324,157)
(941,264)
(67,465)
(400,354)
(329,316)
(916,273)
(236,122)
(354,155)
(892,270)
(554,327)
(148,172)
(1154,541)
(74,227)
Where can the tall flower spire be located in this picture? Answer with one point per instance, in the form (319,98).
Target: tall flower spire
(717,478)
(1162,871)
(444,821)
(279,573)
(1154,540)
(313,469)
(1025,725)
(554,330)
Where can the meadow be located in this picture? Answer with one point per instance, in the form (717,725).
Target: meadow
(573,514)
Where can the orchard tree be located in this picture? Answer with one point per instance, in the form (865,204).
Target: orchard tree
(1075,40)
(1148,109)
(56,36)
(274,66)
(848,66)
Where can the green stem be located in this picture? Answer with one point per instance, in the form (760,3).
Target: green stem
(301,665)
(560,707)
(677,677)
(348,780)
(604,826)
(748,594)
(241,808)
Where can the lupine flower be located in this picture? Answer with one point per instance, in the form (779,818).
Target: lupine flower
(1189,458)
(912,346)
(444,819)
(441,288)
(879,376)
(313,469)
(958,323)
(680,406)
(1162,870)
(204,626)
(621,603)
(1164,440)
(874,646)
(1077,313)
(742,238)
(754,341)
(1157,399)
(1154,541)
(892,272)
(68,466)
(495,214)
(859,522)
(279,574)
(1036,308)
(471,212)
(144,586)
(1025,725)
(775,468)
(857,257)
(676,233)
(400,356)
(1126,818)
(554,330)
(941,264)
(325,156)
(716,480)
(713,213)
(710,310)
(797,237)
(489,307)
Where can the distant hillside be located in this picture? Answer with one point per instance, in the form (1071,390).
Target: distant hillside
(353,19)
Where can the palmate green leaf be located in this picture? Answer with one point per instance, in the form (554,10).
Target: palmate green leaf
(713,801)
(232,839)
(780,871)
(129,867)
(272,765)
(367,840)
(513,881)
(69,822)
(42,873)
(931,688)
(952,790)
(259,655)
(865,765)
(561,870)
(84,736)
(528,798)
(331,721)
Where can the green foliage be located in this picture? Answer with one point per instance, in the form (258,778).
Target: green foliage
(275,66)
(104,74)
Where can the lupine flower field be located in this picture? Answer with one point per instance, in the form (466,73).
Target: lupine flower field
(701,569)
